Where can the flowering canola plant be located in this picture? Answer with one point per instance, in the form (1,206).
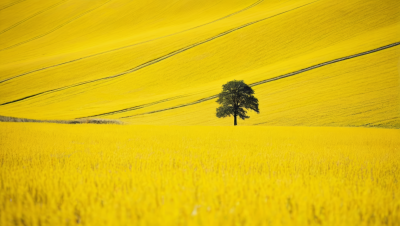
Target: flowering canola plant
(52,174)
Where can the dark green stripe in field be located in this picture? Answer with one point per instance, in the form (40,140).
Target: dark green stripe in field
(128,46)
(149,63)
(277,78)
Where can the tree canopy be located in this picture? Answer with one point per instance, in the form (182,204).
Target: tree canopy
(236,96)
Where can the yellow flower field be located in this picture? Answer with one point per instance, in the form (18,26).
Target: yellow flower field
(324,150)
(151,61)
(54,174)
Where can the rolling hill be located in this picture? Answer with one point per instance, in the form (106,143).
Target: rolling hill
(311,63)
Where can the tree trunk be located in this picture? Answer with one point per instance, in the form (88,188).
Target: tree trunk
(235,122)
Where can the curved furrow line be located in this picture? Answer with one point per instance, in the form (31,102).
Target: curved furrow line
(276,78)
(128,46)
(32,16)
(55,28)
(149,63)
(171,108)
(11,4)
(136,107)
(232,14)
(326,63)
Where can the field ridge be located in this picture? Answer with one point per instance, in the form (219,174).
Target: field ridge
(252,84)
(151,62)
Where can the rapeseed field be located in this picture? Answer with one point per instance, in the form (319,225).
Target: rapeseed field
(157,62)
(322,70)
(54,174)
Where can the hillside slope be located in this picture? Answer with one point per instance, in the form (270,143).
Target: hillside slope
(152,62)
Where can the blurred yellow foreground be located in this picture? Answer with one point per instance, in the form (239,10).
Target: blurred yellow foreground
(169,175)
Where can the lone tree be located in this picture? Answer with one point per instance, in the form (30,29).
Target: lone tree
(236,96)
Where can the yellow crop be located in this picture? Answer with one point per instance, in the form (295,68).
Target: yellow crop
(169,175)
(158,64)
(124,59)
